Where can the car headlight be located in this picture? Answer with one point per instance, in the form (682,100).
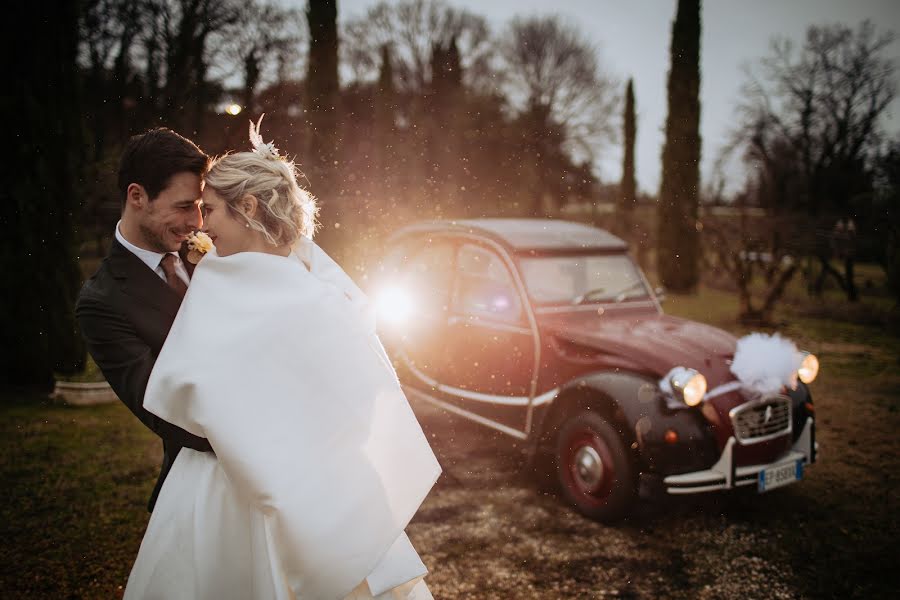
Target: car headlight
(688,385)
(809,368)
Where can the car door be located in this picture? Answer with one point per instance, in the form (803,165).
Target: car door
(489,344)
(426,278)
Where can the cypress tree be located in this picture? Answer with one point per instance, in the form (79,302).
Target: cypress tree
(40,197)
(386,75)
(322,72)
(384,152)
(322,101)
(445,99)
(678,243)
(628,192)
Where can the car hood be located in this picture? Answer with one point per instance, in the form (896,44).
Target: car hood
(654,343)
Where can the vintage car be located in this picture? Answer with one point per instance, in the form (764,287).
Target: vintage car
(550,333)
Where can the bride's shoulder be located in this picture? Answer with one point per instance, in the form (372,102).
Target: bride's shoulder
(248,270)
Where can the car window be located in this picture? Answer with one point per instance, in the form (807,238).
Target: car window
(485,286)
(591,278)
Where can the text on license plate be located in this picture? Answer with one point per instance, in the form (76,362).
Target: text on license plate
(779,475)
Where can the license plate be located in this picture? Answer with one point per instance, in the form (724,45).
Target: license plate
(779,475)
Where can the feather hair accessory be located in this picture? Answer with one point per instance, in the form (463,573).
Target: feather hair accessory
(259,146)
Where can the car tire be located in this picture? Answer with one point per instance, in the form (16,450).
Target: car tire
(594,469)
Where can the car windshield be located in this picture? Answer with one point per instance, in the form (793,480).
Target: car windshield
(582,279)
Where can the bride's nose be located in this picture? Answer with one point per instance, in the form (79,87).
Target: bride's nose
(196,218)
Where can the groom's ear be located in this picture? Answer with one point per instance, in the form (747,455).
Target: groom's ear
(136,196)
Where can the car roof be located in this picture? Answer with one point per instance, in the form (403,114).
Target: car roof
(523,235)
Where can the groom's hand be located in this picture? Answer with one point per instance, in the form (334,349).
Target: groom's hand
(126,361)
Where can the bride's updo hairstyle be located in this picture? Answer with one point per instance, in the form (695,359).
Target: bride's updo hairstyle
(284,210)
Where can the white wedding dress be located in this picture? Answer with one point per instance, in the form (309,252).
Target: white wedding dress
(319,461)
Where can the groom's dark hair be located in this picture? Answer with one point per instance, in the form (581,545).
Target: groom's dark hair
(152,158)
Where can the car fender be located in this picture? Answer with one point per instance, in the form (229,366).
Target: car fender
(801,407)
(617,395)
(634,405)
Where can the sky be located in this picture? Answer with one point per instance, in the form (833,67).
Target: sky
(632,40)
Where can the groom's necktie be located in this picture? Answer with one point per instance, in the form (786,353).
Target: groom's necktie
(168,266)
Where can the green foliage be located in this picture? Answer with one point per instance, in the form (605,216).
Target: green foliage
(678,253)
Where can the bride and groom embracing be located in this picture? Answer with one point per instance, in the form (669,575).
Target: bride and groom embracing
(292,461)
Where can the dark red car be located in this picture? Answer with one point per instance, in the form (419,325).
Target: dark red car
(549,332)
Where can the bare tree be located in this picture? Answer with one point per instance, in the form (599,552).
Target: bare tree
(177,56)
(825,103)
(412,28)
(811,125)
(109,31)
(262,41)
(555,81)
(744,254)
(553,69)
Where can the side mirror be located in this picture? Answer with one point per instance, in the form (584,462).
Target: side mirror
(660,294)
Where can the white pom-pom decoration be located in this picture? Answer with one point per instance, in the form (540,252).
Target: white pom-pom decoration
(764,363)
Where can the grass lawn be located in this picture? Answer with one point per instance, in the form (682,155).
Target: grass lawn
(76,482)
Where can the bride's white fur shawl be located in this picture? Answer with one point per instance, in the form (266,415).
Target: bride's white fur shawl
(275,361)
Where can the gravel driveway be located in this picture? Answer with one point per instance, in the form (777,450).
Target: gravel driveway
(489,531)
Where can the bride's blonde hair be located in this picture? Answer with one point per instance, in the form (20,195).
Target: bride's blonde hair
(285,211)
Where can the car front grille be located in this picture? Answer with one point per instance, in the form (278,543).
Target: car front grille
(762,420)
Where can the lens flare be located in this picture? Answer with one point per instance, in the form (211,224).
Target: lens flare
(395,305)
(500,303)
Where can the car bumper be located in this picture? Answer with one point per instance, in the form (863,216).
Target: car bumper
(725,475)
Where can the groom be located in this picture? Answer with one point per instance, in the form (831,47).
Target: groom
(127,307)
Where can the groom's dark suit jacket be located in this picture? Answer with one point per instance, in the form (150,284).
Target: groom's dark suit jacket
(125,311)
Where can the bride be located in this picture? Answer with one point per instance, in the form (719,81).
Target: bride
(319,461)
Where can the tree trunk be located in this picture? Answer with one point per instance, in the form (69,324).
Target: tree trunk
(827,269)
(850,284)
(776,291)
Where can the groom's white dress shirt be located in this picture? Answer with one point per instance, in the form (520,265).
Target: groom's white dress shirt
(153,259)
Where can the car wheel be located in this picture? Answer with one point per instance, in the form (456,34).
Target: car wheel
(594,470)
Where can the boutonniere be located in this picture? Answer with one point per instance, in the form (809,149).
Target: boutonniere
(198,245)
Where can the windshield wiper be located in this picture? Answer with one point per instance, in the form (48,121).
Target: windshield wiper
(581,298)
(623,293)
(618,295)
